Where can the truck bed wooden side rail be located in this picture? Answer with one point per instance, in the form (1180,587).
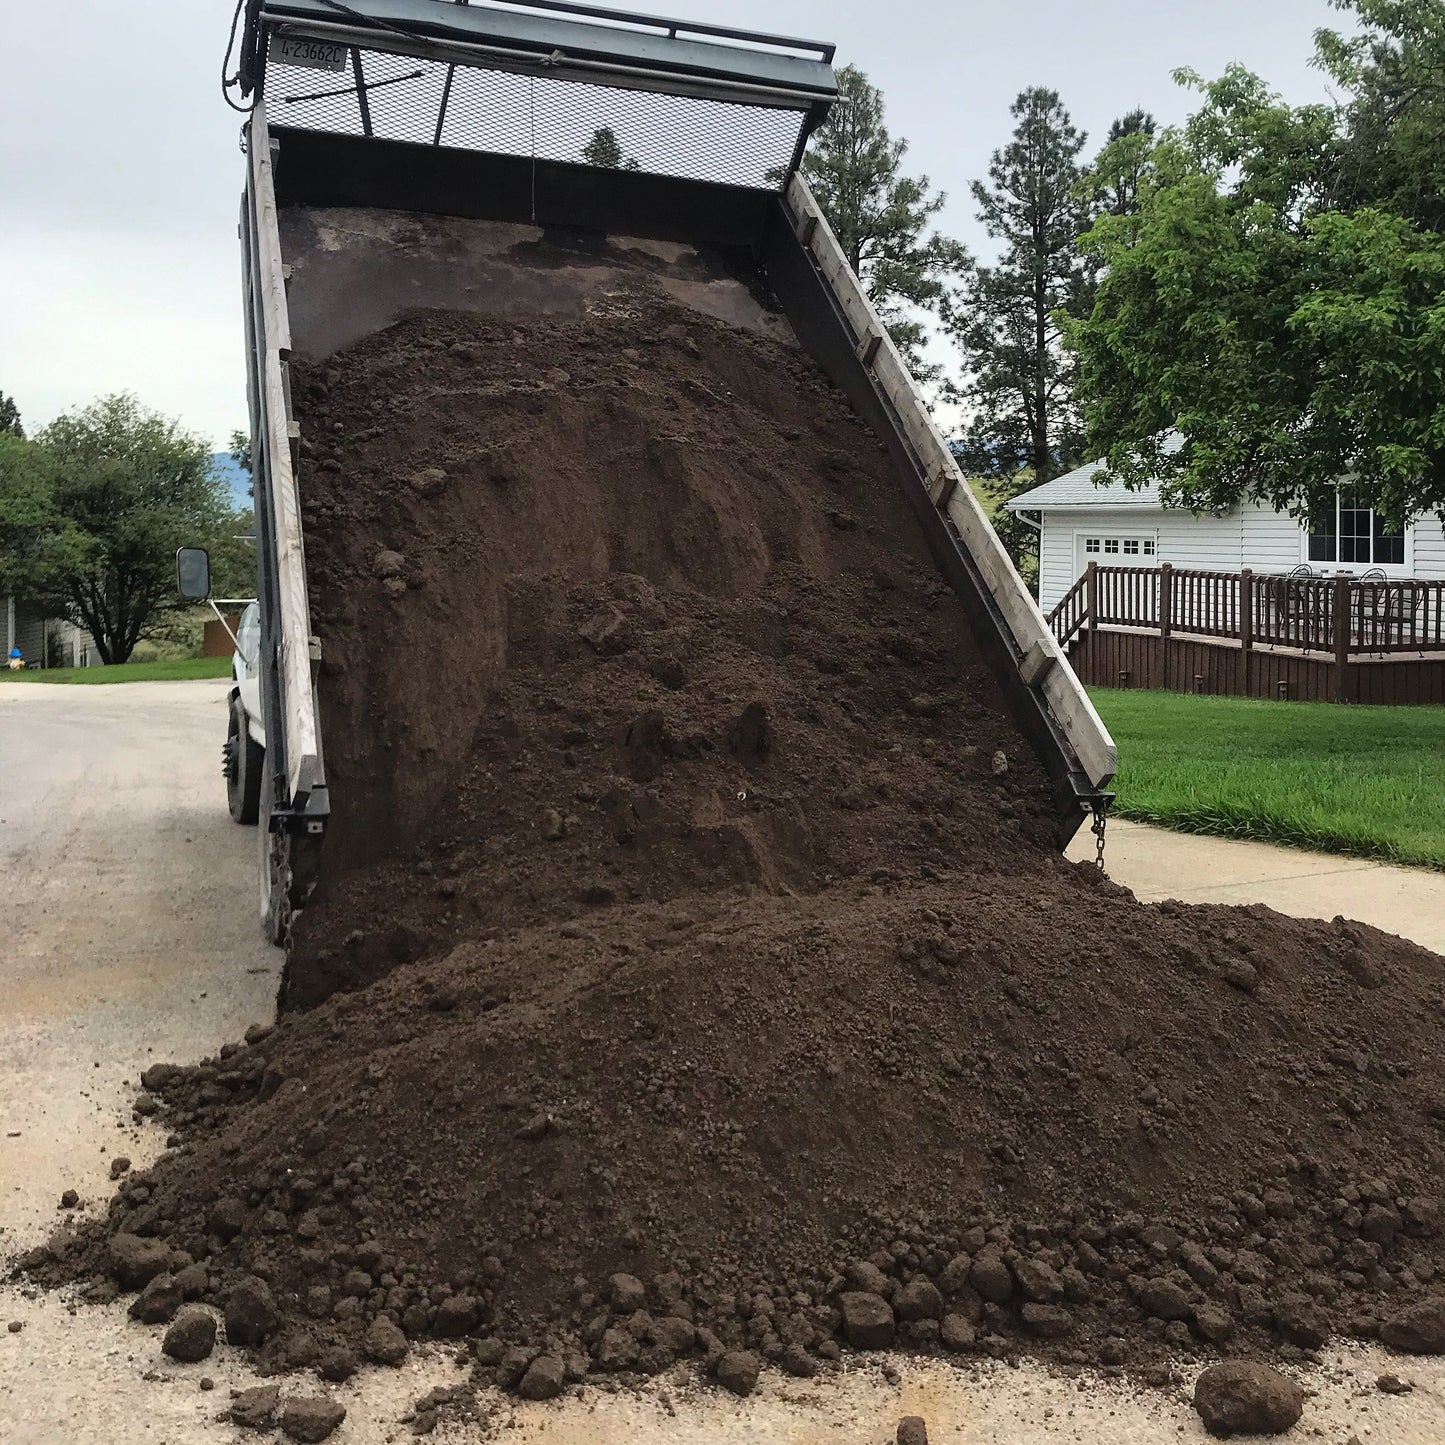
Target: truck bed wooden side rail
(288,693)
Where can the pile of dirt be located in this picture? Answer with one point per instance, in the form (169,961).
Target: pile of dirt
(625,607)
(747,1014)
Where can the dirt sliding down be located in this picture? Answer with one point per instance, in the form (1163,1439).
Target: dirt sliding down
(620,610)
(724,1002)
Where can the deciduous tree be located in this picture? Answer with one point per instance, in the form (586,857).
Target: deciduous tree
(1122,166)
(32,535)
(127,488)
(1279,298)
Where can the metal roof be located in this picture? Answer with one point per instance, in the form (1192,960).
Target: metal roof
(1077,489)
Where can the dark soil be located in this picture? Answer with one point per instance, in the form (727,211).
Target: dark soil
(745,1010)
(647,628)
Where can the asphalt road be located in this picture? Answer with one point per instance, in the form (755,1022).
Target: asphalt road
(130,935)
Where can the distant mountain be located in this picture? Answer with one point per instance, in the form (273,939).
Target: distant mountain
(236,478)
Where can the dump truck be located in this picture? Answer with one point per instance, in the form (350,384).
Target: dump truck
(393,150)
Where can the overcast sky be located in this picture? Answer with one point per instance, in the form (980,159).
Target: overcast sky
(120,170)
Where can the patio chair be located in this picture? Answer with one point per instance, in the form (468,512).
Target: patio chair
(1292,598)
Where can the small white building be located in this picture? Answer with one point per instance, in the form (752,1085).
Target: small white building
(45,641)
(1080,523)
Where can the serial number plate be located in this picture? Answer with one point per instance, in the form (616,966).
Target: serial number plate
(314,54)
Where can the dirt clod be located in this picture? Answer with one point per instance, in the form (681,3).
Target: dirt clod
(1418,1329)
(158,1301)
(255,1408)
(912,1430)
(134,1261)
(738,1371)
(1243,1397)
(868,1322)
(312,1419)
(543,1379)
(191,1336)
(384,1343)
(250,1312)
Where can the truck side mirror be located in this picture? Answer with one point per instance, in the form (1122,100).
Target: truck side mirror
(193,573)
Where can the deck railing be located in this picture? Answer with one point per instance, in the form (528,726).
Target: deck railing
(1340,616)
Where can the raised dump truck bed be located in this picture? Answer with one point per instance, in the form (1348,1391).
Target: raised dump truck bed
(399,151)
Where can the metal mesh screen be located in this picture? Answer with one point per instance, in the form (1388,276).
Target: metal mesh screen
(429,102)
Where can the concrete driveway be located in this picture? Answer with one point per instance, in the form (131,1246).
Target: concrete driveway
(131,936)
(1158,864)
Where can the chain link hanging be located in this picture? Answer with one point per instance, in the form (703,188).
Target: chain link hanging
(1101,820)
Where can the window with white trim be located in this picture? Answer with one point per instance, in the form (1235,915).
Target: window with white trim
(1351,534)
(1119,546)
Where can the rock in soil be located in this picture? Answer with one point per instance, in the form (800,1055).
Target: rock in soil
(1243,1397)
(311,1420)
(192,1335)
(912,1430)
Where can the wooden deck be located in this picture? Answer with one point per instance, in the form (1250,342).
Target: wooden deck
(1247,634)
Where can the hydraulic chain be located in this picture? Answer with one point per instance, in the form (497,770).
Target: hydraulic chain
(1101,821)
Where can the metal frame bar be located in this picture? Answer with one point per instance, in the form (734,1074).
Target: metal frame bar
(446,99)
(571,67)
(674,28)
(362,103)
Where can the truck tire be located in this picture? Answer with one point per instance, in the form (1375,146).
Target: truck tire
(275,868)
(244,760)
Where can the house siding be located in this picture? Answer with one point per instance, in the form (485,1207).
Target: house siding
(1429,539)
(1252,536)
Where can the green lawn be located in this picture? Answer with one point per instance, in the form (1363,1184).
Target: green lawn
(1368,781)
(172,669)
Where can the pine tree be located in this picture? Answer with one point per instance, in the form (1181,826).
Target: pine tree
(881,216)
(10,416)
(605,150)
(1122,166)
(602,149)
(1018,379)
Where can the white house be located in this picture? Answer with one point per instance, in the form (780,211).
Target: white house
(1080,523)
